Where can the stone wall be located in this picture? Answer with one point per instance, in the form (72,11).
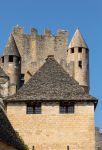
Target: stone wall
(52,130)
(4,146)
(4,86)
(35,48)
(98,139)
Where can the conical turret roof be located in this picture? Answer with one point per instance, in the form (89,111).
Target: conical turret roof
(78,40)
(11,47)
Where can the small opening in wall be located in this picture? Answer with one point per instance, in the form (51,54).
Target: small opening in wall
(2,59)
(86,51)
(68,147)
(32,147)
(80,64)
(11,58)
(72,50)
(18,60)
(80,50)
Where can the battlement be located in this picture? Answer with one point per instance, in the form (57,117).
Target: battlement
(34,32)
(34,48)
(18,30)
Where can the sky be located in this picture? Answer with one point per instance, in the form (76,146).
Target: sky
(60,14)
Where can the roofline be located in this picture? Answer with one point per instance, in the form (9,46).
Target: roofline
(11,55)
(95,101)
(78,47)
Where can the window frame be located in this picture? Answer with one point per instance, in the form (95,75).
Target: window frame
(33,108)
(66,108)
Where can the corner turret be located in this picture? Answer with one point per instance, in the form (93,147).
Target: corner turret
(78,60)
(12,64)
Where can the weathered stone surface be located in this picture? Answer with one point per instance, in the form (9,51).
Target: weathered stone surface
(98,139)
(78,60)
(51,82)
(52,130)
(49,130)
(8,134)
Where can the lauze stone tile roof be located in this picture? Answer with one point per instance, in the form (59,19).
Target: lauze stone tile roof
(11,47)
(51,82)
(78,40)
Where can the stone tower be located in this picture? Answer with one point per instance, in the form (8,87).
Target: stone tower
(78,60)
(11,64)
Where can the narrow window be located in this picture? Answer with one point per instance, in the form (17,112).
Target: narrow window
(68,147)
(22,79)
(10,58)
(2,59)
(33,108)
(66,107)
(18,60)
(80,64)
(72,50)
(80,50)
(32,147)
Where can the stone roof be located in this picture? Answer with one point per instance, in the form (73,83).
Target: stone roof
(2,73)
(7,133)
(50,82)
(78,40)
(11,47)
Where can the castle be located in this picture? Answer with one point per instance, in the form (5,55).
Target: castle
(44,88)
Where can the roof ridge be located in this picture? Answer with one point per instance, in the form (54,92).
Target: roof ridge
(50,82)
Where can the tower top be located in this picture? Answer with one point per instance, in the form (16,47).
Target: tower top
(11,47)
(78,40)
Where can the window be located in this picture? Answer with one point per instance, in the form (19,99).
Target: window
(68,147)
(18,60)
(72,50)
(2,59)
(80,64)
(33,108)
(80,50)
(66,107)
(32,147)
(10,58)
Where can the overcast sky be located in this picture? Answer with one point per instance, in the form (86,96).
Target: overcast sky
(60,14)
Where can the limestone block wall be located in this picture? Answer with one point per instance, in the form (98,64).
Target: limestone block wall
(4,86)
(4,89)
(4,146)
(98,139)
(35,48)
(52,130)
